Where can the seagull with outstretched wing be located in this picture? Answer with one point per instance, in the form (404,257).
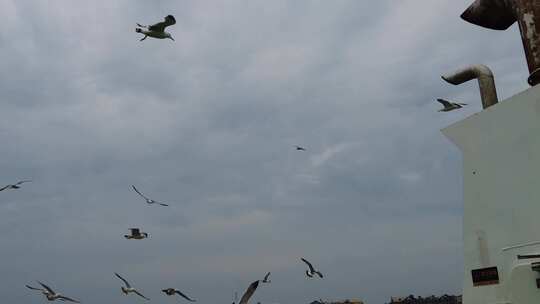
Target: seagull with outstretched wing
(172,291)
(266,280)
(136,234)
(450,106)
(128,289)
(311,272)
(148,200)
(14,186)
(157,30)
(50,294)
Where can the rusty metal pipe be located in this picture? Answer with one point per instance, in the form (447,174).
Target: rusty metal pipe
(501,14)
(528,17)
(486,82)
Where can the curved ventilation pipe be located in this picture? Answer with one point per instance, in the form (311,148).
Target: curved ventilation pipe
(488,93)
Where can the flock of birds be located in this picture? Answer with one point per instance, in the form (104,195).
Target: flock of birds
(155,31)
(158,31)
(137,234)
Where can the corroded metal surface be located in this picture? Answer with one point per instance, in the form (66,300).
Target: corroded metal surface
(527,13)
(493,14)
(486,82)
(501,14)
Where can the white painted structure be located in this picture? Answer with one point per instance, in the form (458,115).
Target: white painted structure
(501,168)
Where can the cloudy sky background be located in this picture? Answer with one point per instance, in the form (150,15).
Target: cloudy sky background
(208,123)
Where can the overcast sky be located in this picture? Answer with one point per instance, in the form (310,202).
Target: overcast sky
(207,123)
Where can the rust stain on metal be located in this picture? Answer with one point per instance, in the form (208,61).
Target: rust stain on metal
(501,14)
(527,13)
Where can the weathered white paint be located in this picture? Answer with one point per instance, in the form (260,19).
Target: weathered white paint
(501,168)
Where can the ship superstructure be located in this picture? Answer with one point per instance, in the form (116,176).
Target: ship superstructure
(501,171)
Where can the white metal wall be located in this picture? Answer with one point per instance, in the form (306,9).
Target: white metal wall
(501,168)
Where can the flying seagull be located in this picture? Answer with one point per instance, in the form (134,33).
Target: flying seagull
(249,292)
(15,186)
(136,234)
(311,271)
(50,294)
(266,280)
(298,148)
(148,201)
(157,30)
(450,106)
(126,290)
(172,291)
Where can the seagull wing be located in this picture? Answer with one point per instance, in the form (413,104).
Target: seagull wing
(4,188)
(47,288)
(309,264)
(160,26)
(33,288)
(249,292)
(184,296)
(444,102)
(68,299)
(125,282)
(266,276)
(139,193)
(22,182)
(150,201)
(320,274)
(140,295)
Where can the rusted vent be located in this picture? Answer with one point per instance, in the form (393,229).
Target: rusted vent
(501,14)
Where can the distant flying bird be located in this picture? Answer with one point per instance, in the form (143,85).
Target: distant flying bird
(148,201)
(126,290)
(136,234)
(15,186)
(249,292)
(311,271)
(50,294)
(298,148)
(266,280)
(157,30)
(172,291)
(450,106)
